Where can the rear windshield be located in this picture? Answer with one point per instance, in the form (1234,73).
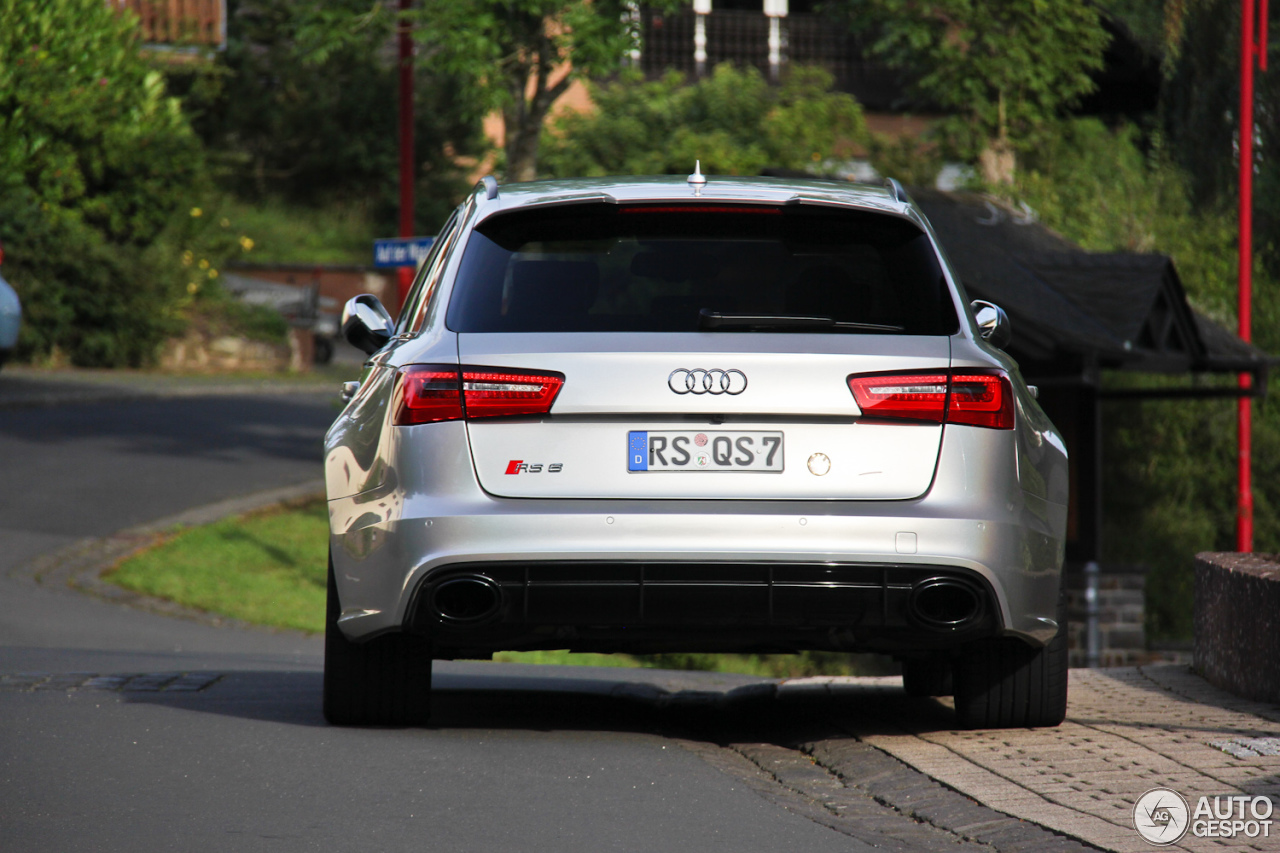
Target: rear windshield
(684,268)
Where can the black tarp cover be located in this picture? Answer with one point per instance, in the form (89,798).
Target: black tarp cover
(1121,310)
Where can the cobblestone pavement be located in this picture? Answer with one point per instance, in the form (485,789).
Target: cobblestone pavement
(1128,730)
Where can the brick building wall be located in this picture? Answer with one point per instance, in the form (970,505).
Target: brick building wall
(1121,602)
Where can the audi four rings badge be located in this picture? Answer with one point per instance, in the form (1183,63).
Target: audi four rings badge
(701,381)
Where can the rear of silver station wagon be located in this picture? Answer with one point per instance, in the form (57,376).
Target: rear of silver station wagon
(642,415)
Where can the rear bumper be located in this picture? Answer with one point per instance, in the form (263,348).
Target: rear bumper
(430,520)
(647,607)
(385,569)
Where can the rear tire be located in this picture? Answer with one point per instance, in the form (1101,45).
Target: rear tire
(1005,683)
(931,677)
(385,681)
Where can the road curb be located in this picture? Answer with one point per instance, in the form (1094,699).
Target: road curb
(79,567)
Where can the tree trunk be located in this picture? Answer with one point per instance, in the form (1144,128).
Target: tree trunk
(524,116)
(997,163)
(523,131)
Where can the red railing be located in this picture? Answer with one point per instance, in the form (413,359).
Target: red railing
(178,22)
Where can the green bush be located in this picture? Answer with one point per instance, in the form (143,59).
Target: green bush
(97,165)
(84,299)
(219,313)
(286,232)
(732,121)
(912,162)
(85,123)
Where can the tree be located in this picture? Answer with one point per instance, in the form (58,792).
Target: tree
(732,121)
(1200,112)
(310,115)
(1005,68)
(523,54)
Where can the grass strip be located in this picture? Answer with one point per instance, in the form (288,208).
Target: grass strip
(268,567)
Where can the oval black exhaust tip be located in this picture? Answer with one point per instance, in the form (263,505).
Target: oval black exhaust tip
(471,598)
(945,603)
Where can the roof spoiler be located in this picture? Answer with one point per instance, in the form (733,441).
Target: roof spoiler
(896,190)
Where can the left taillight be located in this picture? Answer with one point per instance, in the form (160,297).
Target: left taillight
(429,393)
(974,398)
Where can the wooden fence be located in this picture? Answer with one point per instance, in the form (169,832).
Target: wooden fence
(178,22)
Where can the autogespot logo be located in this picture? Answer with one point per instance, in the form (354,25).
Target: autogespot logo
(1161,816)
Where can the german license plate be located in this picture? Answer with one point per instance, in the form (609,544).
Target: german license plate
(691,450)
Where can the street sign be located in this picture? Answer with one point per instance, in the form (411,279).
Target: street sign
(401,251)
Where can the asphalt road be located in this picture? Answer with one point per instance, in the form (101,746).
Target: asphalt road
(246,763)
(125,730)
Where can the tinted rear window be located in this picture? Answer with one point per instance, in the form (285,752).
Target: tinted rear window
(606,268)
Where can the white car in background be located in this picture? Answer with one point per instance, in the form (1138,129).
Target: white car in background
(10,316)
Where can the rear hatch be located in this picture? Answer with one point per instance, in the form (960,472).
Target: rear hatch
(705,350)
(783,425)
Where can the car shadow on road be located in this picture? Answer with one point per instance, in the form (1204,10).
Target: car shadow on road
(754,711)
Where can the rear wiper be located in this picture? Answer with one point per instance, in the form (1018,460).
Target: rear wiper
(709,320)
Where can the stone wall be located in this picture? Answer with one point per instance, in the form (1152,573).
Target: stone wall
(199,352)
(1120,620)
(1237,623)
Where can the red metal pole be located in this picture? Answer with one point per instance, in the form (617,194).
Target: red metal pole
(1249,54)
(406,144)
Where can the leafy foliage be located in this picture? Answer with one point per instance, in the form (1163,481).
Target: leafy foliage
(1005,69)
(100,305)
(303,108)
(516,54)
(913,162)
(85,122)
(1169,472)
(297,233)
(96,303)
(732,121)
(1200,105)
(97,161)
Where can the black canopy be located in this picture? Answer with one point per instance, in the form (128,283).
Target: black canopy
(1069,307)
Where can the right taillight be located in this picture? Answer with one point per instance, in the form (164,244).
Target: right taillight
(981,399)
(974,398)
(429,393)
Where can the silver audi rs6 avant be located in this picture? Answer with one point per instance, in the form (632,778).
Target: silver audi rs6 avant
(714,414)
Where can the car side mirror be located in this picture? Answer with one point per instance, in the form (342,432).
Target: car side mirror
(993,324)
(366,325)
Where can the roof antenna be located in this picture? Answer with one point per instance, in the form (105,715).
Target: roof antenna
(697,180)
